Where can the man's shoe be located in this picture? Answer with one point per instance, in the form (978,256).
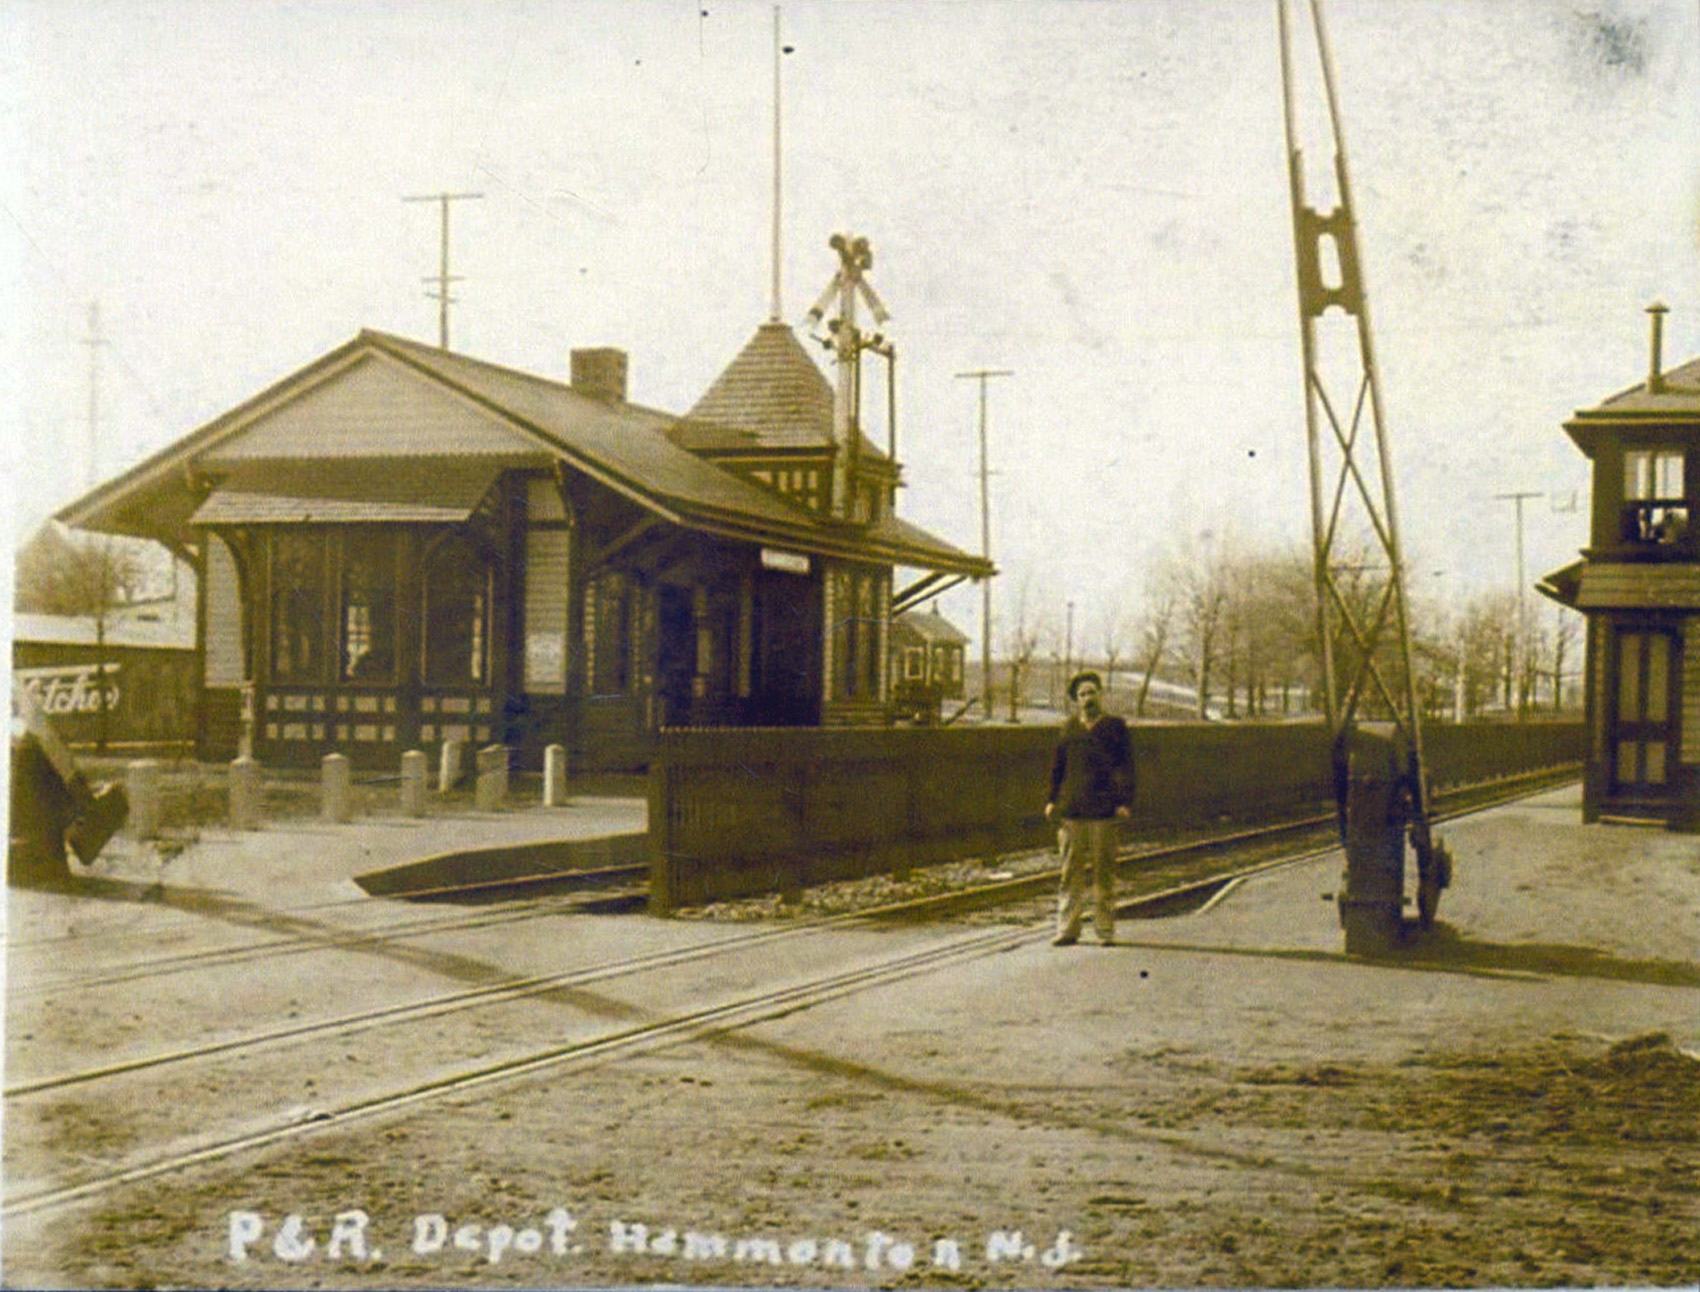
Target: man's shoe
(1065,939)
(1106,939)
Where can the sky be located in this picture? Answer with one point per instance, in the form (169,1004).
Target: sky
(1092,195)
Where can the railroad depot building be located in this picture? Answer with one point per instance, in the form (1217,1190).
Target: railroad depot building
(1638,585)
(399,545)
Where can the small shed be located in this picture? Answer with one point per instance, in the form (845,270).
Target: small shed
(927,653)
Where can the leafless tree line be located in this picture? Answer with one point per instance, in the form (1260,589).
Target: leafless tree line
(1226,631)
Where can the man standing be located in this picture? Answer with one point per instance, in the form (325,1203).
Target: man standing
(1092,783)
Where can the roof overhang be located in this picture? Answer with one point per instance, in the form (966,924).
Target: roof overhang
(371,491)
(1626,585)
(1562,585)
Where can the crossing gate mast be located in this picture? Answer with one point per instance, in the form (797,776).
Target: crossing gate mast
(1362,628)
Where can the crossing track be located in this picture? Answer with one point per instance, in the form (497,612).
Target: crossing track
(299,930)
(611,889)
(633,1029)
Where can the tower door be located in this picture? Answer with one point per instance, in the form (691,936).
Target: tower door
(1644,726)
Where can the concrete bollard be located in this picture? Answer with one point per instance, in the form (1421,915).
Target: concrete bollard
(245,795)
(555,776)
(335,803)
(492,778)
(449,765)
(413,783)
(141,785)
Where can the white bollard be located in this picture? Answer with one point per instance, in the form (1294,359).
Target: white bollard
(141,784)
(492,778)
(449,766)
(335,803)
(413,783)
(555,776)
(245,794)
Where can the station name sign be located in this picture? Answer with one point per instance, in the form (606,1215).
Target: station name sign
(787,562)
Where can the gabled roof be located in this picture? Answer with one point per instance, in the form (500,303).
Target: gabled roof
(931,627)
(464,410)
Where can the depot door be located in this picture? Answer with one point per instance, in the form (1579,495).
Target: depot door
(1644,727)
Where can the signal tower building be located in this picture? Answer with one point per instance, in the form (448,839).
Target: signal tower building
(1638,586)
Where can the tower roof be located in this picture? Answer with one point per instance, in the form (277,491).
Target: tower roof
(772,396)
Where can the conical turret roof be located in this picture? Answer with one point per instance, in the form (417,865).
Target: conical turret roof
(772,396)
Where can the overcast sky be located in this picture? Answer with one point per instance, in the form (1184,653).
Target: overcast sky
(1091,194)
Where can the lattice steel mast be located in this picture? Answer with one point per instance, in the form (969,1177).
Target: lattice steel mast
(1364,632)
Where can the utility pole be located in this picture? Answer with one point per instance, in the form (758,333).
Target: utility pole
(982,375)
(776,305)
(94,341)
(443,277)
(1521,645)
(102,594)
(1068,644)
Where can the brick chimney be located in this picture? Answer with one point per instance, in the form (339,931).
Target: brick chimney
(600,373)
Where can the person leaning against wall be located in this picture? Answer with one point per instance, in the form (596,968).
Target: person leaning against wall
(1092,785)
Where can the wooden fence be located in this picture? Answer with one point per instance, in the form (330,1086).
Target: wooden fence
(739,812)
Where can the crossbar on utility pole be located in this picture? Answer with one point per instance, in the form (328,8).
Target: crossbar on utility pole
(443,278)
(1521,646)
(982,375)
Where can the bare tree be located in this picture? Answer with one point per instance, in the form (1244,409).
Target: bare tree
(1488,640)
(1203,607)
(1022,645)
(1155,628)
(1565,631)
(85,577)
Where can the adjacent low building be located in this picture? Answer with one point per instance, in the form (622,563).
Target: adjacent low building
(399,545)
(927,653)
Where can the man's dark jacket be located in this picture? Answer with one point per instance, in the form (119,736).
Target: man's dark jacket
(1092,774)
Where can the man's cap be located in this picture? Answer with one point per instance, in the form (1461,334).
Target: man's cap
(1085,675)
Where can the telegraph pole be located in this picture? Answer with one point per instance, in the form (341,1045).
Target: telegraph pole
(94,341)
(1068,646)
(982,375)
(1518,662)
(776,306)
(443,277)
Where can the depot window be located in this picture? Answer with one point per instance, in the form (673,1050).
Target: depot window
(298,585)
(457,614)
(368,606)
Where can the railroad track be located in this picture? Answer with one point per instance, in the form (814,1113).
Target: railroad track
(620,1039)
(622,888)
(611,888)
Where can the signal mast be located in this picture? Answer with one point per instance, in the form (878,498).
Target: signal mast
(1369,685)
(849,284)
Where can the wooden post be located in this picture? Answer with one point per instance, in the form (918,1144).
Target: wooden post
(555,776)
(492,789)
(141,785)
(245,794)
(413,771)
(335,789)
